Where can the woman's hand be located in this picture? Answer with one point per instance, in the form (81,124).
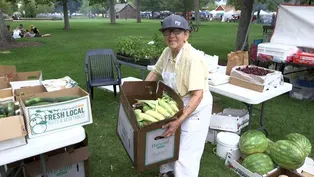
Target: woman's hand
(151,76)
(172,127)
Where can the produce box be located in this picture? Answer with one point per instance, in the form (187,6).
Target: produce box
(6,96)
(4,85)
(28,90)
(25,79)
(144,144)
(50,112)
(255,78)
(232,120)
(12,128)
(58,84)
(65,162)
(281,171)
(7,72)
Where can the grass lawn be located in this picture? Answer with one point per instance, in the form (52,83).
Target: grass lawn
(63,55)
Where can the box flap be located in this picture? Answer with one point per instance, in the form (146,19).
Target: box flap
(7,71)
(58,161)
(12,127)
(5,93)
(25,76)
(4,84)
(29,90)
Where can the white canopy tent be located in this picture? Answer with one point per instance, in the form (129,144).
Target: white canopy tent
(294,26)
(228,15)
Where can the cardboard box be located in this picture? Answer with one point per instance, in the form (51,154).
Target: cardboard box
(144,146)
(12,132)
(6,96)
(232,120)
(25,79)
(44,119)
(7,72)
(65,164)
(4,85)
(254,82)
(28,91)
(281,171)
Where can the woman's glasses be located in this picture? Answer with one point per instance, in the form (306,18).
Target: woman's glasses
(175,31)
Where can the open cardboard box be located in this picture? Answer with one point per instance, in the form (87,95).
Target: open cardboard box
(64,162)
(12,132)
(144,146)
(43,119)
(28,91)
(7,72)
(25,79)
(4,84)
(6,96)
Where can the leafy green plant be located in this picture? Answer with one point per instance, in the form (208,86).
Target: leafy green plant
(138,49)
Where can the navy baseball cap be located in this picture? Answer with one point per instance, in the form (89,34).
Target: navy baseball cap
(175,21)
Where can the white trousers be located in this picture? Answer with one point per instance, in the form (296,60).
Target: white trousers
(192,142)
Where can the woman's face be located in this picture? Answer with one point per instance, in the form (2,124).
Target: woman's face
(175,38)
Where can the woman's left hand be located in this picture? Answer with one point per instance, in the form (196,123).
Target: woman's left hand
(172,127)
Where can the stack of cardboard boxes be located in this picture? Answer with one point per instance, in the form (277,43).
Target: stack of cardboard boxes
(34,121)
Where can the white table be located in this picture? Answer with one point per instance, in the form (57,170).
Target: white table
(41,145)
(250,97)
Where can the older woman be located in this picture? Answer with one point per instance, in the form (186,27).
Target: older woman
(183,68)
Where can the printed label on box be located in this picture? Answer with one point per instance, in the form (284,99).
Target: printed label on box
(126,132)
(158,149)
(53,117)
(76,170)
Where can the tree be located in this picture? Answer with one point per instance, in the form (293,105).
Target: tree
(246,12)
(6,7)
(5,36)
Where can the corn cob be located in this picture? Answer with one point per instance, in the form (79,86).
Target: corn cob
(137,113)
(174,106)
(155,114)
(162,111)
(166,106)
(146,108)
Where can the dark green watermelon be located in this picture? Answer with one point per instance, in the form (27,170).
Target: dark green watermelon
(253,141)
(259,163)
(287,154)
(301,141)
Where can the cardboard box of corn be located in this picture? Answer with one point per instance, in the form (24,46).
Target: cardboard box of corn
(144,108)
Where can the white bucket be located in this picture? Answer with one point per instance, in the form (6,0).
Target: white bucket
(226,142)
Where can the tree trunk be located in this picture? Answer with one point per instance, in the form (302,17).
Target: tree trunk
(258,16)
(138,11)
(5,36)
(66,15)
(245,19)
(112,12)
(197,12)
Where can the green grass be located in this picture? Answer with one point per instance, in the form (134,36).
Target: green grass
(63,55)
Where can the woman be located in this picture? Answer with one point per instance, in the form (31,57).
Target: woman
(183,69)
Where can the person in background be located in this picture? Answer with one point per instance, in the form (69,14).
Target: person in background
(183,68)
(36,32)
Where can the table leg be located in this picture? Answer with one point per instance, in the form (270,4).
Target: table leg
(43,165)
(250,109)
(2,171)
(262,121)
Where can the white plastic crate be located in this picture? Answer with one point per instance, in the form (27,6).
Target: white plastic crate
(276,52)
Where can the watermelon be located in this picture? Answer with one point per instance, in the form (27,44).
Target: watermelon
(270,145)
(253,141)
(287,154)
(301,141)
(258,163)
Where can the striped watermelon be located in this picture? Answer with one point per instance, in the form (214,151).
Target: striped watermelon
(287,154)
(301,141)
(258,163)
(253,141)
(270,145)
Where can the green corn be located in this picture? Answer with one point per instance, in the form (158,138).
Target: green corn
(155,114)
(166,106)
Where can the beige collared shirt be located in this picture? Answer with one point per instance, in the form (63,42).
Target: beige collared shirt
(191,70)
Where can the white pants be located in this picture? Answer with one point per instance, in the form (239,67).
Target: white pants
(192,142)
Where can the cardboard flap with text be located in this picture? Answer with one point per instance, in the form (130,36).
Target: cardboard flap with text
(7,71)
